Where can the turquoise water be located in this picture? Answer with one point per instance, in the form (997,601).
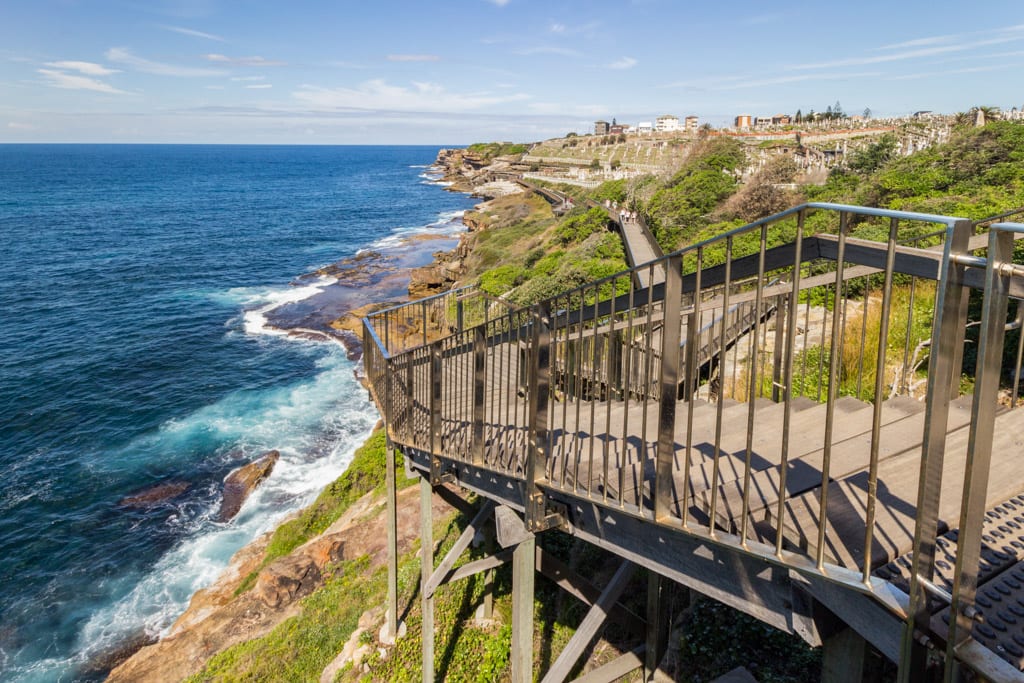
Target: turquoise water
(133,283)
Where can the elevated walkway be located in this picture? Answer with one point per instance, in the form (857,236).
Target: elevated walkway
(811,461)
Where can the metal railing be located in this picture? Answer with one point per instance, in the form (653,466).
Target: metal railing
(600,392)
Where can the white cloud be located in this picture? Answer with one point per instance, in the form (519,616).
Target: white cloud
(918,42)
(87,68)
(557,28)
(66,81)
(624,63)
(193,33)
(377,94)
(499,3)
(910,54)
(18,125)
(242,79)
(548,50)
(255,60)
(414,58)
(259,86)
(124,56)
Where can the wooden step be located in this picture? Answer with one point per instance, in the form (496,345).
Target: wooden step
(902,423)
(898,479)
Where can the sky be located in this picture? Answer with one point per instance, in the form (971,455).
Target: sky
(461,71)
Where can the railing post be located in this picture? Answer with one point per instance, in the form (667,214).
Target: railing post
(538,447)
(979,444)
(435,376)
(947,330)
(479,382)
(670,332)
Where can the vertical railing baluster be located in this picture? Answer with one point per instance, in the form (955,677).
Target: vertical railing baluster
(876,416)
(717,451)
(754,382)
(787,415)
(910,329)
(692,378)
(863,337)
(834,360)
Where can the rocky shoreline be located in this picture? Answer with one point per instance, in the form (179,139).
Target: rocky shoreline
(220,616)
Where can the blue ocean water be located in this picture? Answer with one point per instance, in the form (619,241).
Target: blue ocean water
(131,284)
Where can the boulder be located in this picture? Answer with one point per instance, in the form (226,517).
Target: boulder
(287,580)
(242,481)
(154,495)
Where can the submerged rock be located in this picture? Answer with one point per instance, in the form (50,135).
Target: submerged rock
(242,481)
(154,495)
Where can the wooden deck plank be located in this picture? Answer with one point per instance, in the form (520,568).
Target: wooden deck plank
(901,430)
(897,496)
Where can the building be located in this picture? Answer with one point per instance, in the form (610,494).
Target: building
(644,127)
(781,120)
(617,129)
(600,128)
(692,123)
(763,121)
(743,121)
(666,123)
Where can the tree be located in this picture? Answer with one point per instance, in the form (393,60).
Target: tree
(799,117)
(867,112)
(837,111)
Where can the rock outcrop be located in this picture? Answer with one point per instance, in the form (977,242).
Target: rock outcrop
(155,495)
(242,481)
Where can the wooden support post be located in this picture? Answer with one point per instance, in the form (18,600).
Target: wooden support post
(426,569)
(485,610)
(843,656)
(657,622)
(391,625)
(523,560)
(670,332)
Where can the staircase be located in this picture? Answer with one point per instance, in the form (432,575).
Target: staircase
(758,425)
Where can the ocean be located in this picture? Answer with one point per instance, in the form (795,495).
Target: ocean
(136,282)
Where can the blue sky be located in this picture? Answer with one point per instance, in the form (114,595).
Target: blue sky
(451,72)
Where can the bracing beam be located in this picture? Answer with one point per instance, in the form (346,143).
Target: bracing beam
(591,625)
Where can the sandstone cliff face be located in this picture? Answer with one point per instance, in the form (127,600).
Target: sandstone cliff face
(216,619)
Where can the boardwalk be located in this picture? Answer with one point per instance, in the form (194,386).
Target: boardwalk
(755,429)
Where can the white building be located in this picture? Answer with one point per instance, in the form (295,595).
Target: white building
(666,123)
(644,127)
(692,123)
